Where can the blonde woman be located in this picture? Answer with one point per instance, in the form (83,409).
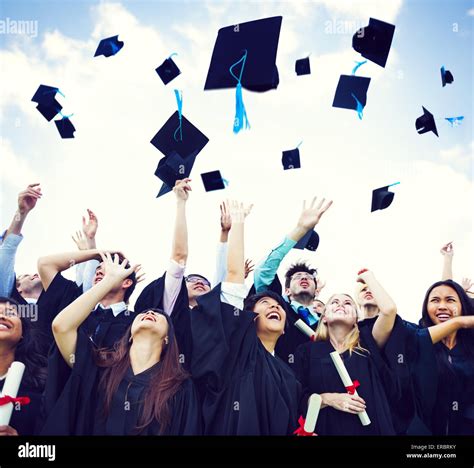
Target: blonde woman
(360,352)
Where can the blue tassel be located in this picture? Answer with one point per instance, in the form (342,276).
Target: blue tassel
(179,100)
(360,107)
(359,64)
(455,121)
(396,183)
(240,121)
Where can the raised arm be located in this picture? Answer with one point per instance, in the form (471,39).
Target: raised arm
(67,322)
(236,256)
(51,265)
(383,326)
(221,257)
(447,251)
(26,202)
(311,214)
(442,330)
(179,252)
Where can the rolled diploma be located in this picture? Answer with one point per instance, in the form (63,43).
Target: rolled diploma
(303,327)
(10,388)
(314,406)
(346,380)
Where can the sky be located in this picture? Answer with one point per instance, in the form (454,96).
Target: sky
(119,103)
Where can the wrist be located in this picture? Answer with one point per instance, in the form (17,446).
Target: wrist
(91,245)
(298,233)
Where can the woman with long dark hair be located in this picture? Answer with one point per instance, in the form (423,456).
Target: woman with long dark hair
(448,316)
(19,342)
(136,388)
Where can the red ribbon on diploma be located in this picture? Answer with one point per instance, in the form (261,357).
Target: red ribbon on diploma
(8,399)
(300,431)
(352,388)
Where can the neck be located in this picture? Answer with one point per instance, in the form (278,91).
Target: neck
(144,353)
(370,310)
(7,356)
(269,341)
(192,302)
(337,334)
(304,298)
(110,299)
(33,293)
(450,341)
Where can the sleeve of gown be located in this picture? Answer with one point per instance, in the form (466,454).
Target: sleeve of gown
(186,417)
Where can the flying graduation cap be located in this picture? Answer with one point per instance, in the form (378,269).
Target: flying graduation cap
(309,241)
(382,198)
(180,141)
(302,66)
(446,76)
(45,97)
(374,41)
(244,56)
(213,181)
(168,70)
(291,158)
(65,127)
(351,93)
(109,46)
(426,123)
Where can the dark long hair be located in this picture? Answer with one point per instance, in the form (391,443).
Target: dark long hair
(28,351)
(464,337)
(165,382)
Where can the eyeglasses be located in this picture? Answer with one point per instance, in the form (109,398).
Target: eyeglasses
(198,279)
(299,276)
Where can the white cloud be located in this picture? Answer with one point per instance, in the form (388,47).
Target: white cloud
(470,12)
(119,103)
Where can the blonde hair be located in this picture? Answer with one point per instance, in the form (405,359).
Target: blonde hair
(352,339)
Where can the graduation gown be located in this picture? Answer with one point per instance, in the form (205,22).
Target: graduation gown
(453,410)
(79,408)
(244,389)
(25,417)
(317,373)
(104,329)
(152,297)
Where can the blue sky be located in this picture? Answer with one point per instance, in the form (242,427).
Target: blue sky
(119,104)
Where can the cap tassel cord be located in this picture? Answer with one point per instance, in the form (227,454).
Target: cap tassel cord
(240,112)
(179,100)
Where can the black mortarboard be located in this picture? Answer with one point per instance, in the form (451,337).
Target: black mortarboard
(309,241)
(351,86)
(45,96)
(192,139)
(302,67)
(291,159)
(373,42)
(65,127)
(172,168)
(426,123)
(260,39)
(168,70)
(109,46)
(382,198)
(446,76)
(213,181)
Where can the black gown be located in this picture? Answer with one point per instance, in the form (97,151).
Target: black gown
(25,417)
(244,389)
(79,408)
(317,373)
(152,297)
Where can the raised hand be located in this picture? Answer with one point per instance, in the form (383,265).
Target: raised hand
(312,213)
(226,220)
(140,274)
(238,211)
(321,284)
(447,249)
(89,227)
(80,240)
(182,188)
(114,270)
(363,275)
(249,267)
(466,284)
(27,198)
